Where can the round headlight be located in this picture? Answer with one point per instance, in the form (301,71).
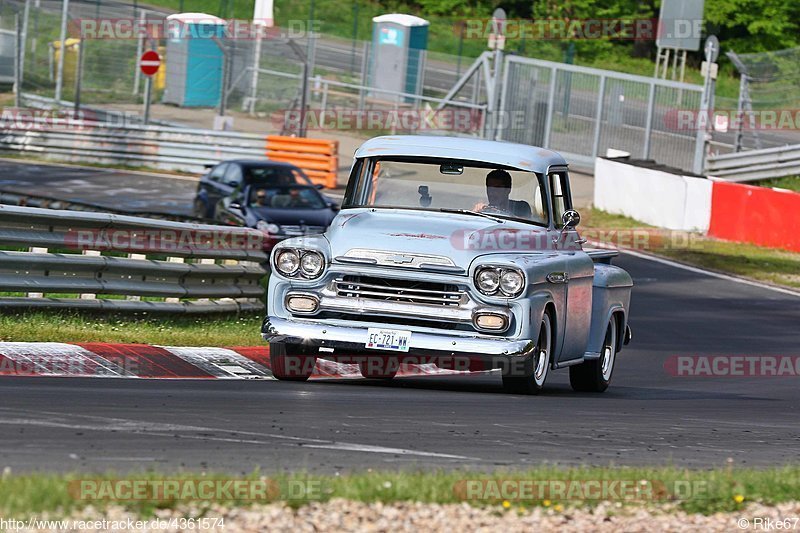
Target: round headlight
(287,262)
(511,282)
(487,280)
(311,264)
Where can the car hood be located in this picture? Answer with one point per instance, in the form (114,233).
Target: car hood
(460,238)
(294,217)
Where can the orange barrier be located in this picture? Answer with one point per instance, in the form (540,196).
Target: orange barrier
(318,158)
(757,215)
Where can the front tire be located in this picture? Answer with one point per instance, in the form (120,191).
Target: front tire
(199,210)
(528,376)
(595,375)
(291,362)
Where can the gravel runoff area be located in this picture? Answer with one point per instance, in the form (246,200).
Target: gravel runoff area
(345,515)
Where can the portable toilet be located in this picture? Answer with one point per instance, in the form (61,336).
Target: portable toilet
(399,44)
(195,60)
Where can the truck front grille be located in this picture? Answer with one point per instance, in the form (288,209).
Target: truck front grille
(400,290)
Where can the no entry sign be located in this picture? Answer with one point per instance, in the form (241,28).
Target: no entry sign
(149,62)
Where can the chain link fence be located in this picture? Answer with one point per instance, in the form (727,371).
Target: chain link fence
(583,112)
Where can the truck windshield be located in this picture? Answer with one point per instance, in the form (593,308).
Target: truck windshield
(446,185)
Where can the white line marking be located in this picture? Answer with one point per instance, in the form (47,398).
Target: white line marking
(709,272)
(60,420)
(380,449)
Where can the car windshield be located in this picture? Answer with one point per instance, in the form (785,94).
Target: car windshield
(286,197)
(446,185)
(274,175)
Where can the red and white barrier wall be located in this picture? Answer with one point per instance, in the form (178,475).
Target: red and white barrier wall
(729,211)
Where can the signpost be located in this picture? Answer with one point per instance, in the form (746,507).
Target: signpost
(711,51)
(149,64)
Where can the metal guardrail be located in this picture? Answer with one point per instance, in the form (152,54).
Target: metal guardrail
(182,149)
(753,165)
(139,264)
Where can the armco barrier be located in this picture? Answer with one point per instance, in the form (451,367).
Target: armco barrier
(758,215)
(319,158)
(652,196)
(140,264)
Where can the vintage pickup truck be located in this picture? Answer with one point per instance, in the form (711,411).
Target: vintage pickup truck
(457,252)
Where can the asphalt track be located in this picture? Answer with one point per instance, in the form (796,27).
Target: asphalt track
(120,190)
(647,417)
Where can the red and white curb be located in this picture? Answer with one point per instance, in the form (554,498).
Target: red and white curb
(163,362)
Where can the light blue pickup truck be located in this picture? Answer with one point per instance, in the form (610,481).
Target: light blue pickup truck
(459,252)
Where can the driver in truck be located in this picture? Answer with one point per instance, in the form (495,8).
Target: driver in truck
(498,190)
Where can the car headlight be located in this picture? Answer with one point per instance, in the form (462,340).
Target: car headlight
(263,225)
(287,262)
(307,263)
(311,264)
(511,282)
(487,280)
(500,281)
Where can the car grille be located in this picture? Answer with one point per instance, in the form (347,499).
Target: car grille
(302,230)
(397,290)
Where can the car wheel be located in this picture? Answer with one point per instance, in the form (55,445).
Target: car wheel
(378,367)
(528,376)
(291,362)
(595,375)
(199,210)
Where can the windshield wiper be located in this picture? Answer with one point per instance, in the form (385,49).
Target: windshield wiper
(470,212)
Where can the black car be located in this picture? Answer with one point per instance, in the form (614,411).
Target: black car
(282,211)
(230,178)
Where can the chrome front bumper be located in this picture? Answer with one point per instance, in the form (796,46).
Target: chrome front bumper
(312,333)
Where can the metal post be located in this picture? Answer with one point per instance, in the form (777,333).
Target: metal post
(648,125)
(137,74)
(704,117)
(62,39)
(25,16)
(364,76)
(740,113)
(148,88)
(256,65)
(324,104)
(226,60)
(17,63)
(599,116)
(355,37)
(550,104)
(303,98)
(78,78)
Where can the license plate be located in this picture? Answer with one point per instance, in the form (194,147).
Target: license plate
(394,340)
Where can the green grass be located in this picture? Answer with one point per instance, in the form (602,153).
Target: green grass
(169,330)
(791,183)
(741,259)
(702,491)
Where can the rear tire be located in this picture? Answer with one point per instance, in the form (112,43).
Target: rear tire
(291,362)
(528,376)
(595,375)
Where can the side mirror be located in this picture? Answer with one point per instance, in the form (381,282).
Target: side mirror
(234,205)
(233,183)
(571,219)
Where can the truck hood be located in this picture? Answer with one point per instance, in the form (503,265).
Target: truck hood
(459,238)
